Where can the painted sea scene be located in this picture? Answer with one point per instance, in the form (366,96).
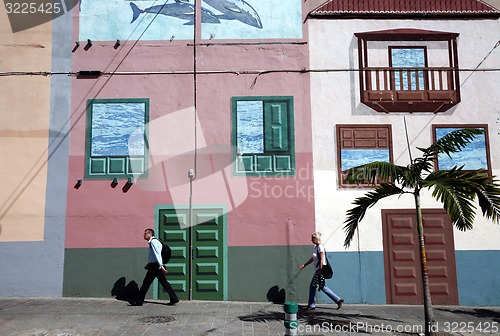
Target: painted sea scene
(408,58)
(238,10)
(117,129)
(108,20)
(472,157)
(356,157)
(250,126)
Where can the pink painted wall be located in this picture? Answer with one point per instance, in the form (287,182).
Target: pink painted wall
(277,211)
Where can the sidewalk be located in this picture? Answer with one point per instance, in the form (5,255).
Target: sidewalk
(103,317)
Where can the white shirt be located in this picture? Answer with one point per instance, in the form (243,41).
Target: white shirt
(155,251)
(315,255)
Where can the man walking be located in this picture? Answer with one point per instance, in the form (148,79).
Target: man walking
(155,269)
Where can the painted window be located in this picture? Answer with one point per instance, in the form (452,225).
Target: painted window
(263,135)
(409,59)
(362,144)
(116,137)
(474,156)
(408,70)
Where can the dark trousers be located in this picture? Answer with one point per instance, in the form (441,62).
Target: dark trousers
(152,273)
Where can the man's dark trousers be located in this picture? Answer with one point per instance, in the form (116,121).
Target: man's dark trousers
(155,272)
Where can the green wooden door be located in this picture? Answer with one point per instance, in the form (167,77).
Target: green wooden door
(197,262)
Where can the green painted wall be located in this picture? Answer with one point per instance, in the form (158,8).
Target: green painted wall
(260,273)
(103,272)
(255,273)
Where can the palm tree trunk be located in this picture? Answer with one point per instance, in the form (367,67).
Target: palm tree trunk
(429,319)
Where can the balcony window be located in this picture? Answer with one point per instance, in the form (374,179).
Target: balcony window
(408,70)
(402,58)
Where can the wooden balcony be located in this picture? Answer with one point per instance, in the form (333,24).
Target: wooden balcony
(399,89)
(409,89)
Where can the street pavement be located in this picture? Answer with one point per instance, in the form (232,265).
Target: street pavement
(109,316)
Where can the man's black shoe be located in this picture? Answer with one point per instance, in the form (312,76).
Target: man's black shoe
(136,303)
(172,303)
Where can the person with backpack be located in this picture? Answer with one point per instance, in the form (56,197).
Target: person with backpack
(318,281)
(155,269)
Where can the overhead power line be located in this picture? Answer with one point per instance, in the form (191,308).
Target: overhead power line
(209,72)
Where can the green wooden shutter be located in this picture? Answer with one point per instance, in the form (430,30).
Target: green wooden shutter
(276,119)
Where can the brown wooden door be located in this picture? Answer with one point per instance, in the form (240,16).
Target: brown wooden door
(402,257)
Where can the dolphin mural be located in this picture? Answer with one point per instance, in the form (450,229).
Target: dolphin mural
(236,10)
(180,10)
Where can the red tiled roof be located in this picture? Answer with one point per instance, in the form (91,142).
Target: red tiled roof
(405,8)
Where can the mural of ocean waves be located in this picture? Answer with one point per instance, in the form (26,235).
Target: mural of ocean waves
(236,10)
(248,144)
(117,129)
(227,10)
(413,58)
(180,10)
(409,58)
(250,125)
(472,157)
(110,20)
(356,157)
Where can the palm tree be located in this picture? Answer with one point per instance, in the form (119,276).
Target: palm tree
(457,189)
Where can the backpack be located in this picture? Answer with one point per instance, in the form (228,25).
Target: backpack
(166,252)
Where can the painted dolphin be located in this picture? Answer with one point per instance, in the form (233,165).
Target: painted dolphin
(179,10)
(236,10)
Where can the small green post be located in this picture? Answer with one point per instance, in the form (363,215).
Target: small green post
(291,323)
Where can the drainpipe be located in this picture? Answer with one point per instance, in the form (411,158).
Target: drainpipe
(190,222)
(192,172)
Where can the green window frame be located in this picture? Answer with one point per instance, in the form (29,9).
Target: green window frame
(263,135)
(116,138)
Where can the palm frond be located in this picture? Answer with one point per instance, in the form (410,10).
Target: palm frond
(356,214)
(373,172)
(457,189)
(421,165)
(487,191)
(454,190)
(452,142)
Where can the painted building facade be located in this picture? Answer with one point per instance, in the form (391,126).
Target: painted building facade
(423,71)
(197,126)
(221,131)
(211,157)
(33,141)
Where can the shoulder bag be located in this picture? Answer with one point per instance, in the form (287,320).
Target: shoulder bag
(326,270)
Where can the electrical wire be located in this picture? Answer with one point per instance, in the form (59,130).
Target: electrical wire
(476,69)
(211,72)
(54,144)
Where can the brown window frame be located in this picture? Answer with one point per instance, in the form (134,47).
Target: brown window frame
(340,128)
(442,84)
(486,140)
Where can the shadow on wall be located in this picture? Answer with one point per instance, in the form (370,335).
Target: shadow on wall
(125,292)
(276,295)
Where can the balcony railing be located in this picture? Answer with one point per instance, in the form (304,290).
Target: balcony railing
(388,89)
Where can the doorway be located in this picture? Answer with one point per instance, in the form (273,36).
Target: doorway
(198,265)
(403,275)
